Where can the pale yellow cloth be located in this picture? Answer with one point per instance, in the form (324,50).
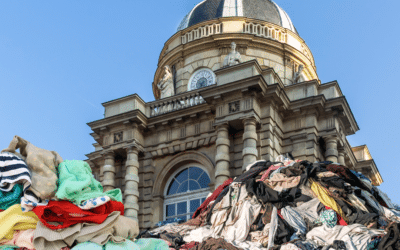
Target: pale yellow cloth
(14,219)
(327,200)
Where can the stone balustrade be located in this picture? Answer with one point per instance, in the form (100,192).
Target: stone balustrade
(178,102)
(266,31)
(200,32)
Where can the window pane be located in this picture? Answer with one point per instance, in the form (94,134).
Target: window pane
(202,200)
(173,188)
(204,180)
(182,208)
(171,210)
(184,218)
(194,204)
(184,187)
(183,176)
(194,173)
(193,185)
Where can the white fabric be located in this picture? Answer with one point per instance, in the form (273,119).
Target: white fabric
(391,214)
(247,245)
(289,246)
(308,210)
(357,202)
(356,236)
(198,234)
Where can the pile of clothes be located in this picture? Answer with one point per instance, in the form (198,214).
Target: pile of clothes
(47,203)
(289,205)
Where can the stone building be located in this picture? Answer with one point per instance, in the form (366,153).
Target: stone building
(235,84)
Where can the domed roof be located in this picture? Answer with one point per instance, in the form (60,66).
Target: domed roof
(265,10)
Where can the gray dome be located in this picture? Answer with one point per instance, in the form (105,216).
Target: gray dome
(265,10)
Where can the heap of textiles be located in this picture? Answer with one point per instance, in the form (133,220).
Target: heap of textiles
(47,203)
(289,205)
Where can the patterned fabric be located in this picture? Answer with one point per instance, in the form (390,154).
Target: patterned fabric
(266,174)
(14,219)
(42,164)
(77,184)
(328,217)
(22,238)
(214,196)
(93,203)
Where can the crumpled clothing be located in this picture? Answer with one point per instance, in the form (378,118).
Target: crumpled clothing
(93,203)
(199,234)
(329,218)
(289,246)
(294,219)
(42,164)
(265,176)
(279,182)
(214,195)
(309,210)
(23,238)
(142,244)
(8,199)
(273,227)
(385,198)
(174,228)
(372,202)
(215,244)
(260,236)
(14,219)
(356,236)
(357,202)
(77,184)
(13,169)
(325,199)
(67,214)
(115,228)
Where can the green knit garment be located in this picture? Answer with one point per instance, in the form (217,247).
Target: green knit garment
(77,184)
(8,199)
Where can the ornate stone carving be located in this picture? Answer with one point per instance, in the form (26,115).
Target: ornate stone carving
(233,57)
(234,106)
(297,77)
(166,85)
(118,137)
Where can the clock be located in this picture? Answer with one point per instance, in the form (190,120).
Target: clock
(201,78)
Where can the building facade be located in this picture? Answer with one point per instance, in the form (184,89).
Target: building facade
(235,84)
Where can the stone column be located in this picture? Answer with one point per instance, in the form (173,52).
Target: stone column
(222,158)
(341,158)
(108,171)
(331,153)
(249,142)
(131,192)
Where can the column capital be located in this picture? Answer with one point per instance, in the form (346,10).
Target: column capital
(133,147)
(222,126)
(250,120)
(108,154)
(331,138)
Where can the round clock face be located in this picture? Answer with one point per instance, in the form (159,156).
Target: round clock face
(201,78)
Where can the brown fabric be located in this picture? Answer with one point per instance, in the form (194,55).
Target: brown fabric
(116,228)
(42,163)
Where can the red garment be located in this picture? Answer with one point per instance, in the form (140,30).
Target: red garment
(269,170)
(189,245)
(340,220)
(69,214)
(212,197)
(280,215)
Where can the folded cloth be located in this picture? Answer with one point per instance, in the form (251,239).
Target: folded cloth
(14,219)
(8,199)
(115,228)
(23,238)
(77,184)
(42,164)
(152,244)
(68,214)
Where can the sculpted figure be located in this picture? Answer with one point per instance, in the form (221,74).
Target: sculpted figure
(297,76)
(233,57)
(166,84)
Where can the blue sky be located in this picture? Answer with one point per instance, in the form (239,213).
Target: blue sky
(59,60)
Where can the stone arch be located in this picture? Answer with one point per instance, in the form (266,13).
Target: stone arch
(176,162)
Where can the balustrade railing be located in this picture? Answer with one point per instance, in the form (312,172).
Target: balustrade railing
(201,32)
(162,107)
(265,31)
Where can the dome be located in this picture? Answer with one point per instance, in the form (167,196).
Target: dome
(265,10)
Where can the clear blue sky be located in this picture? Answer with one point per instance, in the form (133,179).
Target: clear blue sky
(59,60)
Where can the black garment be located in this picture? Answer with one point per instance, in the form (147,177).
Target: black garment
(347,175)
(391,240)
(176,240)
(337,245)
(355,215)
(283,233)
(254,170)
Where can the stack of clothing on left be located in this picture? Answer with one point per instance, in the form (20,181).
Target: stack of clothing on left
(48,203)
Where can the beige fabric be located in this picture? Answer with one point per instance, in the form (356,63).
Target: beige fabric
(279,182)
(115,228)
(22,238)
(42,163)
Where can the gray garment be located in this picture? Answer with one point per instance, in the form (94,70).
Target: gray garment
(357,202)
(116,228)
(273,227)
(372,202)
(309,210)
(385,198)
(294,219)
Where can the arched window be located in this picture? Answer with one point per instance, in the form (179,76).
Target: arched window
(185,192)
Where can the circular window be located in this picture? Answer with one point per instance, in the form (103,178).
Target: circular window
(185,192)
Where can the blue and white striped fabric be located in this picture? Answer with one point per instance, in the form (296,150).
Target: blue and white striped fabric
(14,170)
